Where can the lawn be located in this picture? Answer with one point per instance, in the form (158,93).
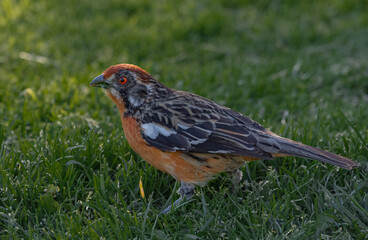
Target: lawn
(300,68)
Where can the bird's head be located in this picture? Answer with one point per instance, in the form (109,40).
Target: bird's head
(127,85)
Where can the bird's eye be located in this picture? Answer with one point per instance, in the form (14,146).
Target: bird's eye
(123,80)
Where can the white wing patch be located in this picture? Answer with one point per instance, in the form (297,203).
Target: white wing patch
(152,130)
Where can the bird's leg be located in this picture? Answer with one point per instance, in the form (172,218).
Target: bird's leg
(186,192)
(237,177)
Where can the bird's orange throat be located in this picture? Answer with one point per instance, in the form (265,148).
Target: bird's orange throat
(114,95)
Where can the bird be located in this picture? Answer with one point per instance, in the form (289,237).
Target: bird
(190,137)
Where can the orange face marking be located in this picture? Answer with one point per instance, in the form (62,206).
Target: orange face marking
(119,103)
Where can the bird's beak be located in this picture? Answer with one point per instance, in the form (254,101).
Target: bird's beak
(100,81)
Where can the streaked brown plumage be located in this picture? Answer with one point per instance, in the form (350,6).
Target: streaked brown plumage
(191,137)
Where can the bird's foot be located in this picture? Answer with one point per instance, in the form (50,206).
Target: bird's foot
(186,192)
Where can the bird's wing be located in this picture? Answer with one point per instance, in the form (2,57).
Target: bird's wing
(203,126)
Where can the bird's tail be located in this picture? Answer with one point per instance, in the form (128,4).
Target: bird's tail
(289,147)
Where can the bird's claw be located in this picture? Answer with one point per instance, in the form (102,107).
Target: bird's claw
(186,192)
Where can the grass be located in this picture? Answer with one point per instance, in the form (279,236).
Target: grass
(67,172)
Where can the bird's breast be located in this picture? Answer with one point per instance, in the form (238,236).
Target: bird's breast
(196,168)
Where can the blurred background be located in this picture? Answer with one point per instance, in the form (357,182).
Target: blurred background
(235,52)
(300,68)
